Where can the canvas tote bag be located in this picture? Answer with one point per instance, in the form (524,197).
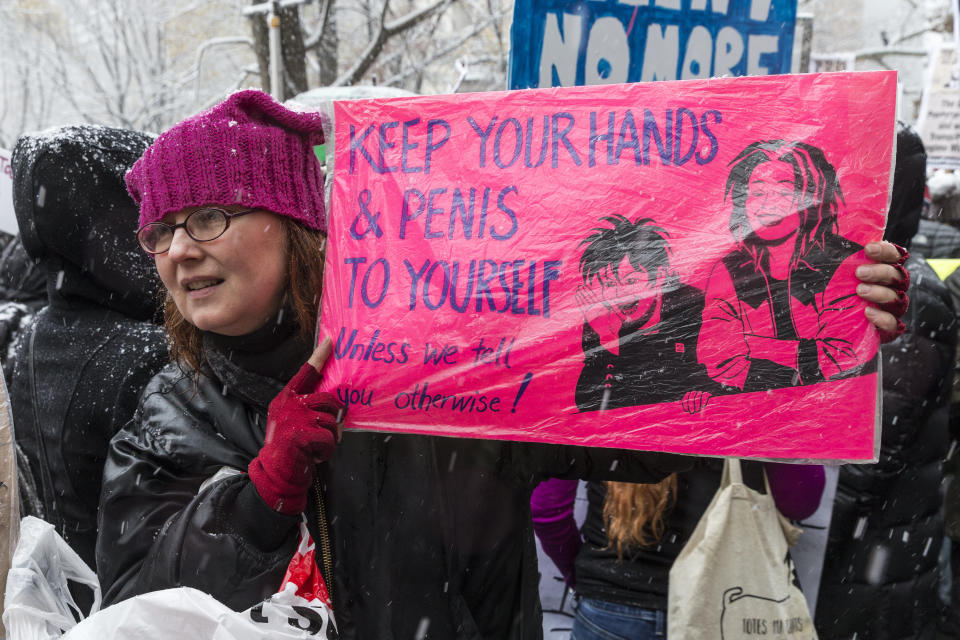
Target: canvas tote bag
(734,579)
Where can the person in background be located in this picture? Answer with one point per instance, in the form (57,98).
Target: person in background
(23,292)
(880,576)
(632,534)
(433,536)
(939,243)
(79,367)
(950,616)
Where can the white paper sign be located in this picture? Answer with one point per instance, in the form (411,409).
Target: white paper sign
(8,221)
(939,121)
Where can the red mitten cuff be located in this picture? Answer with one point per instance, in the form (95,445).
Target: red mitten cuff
(904,253)
(898,306)
(277,492)
(901,285)
(890,336)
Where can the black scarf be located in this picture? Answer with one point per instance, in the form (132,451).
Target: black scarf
(256,366)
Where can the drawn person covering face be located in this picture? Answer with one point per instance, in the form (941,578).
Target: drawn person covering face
(640,322)
(778,307)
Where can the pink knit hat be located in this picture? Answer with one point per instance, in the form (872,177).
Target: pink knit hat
(248,150)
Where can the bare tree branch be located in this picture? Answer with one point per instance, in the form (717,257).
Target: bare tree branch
(313,40)
(193,73)
(369,56)
(453,46)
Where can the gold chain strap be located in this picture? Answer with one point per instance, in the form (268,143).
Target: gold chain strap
(326,553)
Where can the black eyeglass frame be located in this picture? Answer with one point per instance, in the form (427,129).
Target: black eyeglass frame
(228,216)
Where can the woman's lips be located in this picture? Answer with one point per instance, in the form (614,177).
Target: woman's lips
(201,288)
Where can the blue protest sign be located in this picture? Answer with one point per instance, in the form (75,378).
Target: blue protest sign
(585,42)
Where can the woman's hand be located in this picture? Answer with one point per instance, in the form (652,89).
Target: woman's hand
(302,429)
(885,284)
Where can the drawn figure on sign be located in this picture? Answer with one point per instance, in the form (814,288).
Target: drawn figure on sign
(640,322)
(780,309)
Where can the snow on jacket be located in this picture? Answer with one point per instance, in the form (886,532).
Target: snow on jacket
(431,536)
(880,574)
(78,369)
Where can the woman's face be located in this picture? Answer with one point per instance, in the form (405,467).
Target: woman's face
(771,205)
(232,285)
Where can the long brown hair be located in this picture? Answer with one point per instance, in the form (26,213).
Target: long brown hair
(633,513)
(304,281)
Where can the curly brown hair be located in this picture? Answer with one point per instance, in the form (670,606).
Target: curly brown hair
(305,255)
(633,513)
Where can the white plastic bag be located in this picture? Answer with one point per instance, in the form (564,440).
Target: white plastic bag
(184,612)
(38,604)
(300,611)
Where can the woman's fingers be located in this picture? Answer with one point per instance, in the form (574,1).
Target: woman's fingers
(879,273)
(308,377)
(882,251)
(885,284)
(877,293)
(321,353)
(882,320)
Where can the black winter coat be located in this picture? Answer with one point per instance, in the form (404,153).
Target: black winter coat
(880,575)
(936,240)
(23,292)
(79,367)
(432,536)
(951,512)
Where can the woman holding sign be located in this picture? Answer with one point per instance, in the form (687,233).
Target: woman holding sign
(780,310)
(205,488)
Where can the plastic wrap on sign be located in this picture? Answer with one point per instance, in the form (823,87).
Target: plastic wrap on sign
(662,266)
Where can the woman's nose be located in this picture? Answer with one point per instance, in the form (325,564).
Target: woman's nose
(182,246)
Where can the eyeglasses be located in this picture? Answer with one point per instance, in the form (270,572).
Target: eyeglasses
(203,225)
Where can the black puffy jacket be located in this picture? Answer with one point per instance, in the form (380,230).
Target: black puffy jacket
(880,575)
(78,369)
(936,240)
(432,537)
(23,292)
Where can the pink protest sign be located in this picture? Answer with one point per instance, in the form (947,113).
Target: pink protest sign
(663,266)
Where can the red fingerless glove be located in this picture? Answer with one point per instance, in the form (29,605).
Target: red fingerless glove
(898,306)
(301,431)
